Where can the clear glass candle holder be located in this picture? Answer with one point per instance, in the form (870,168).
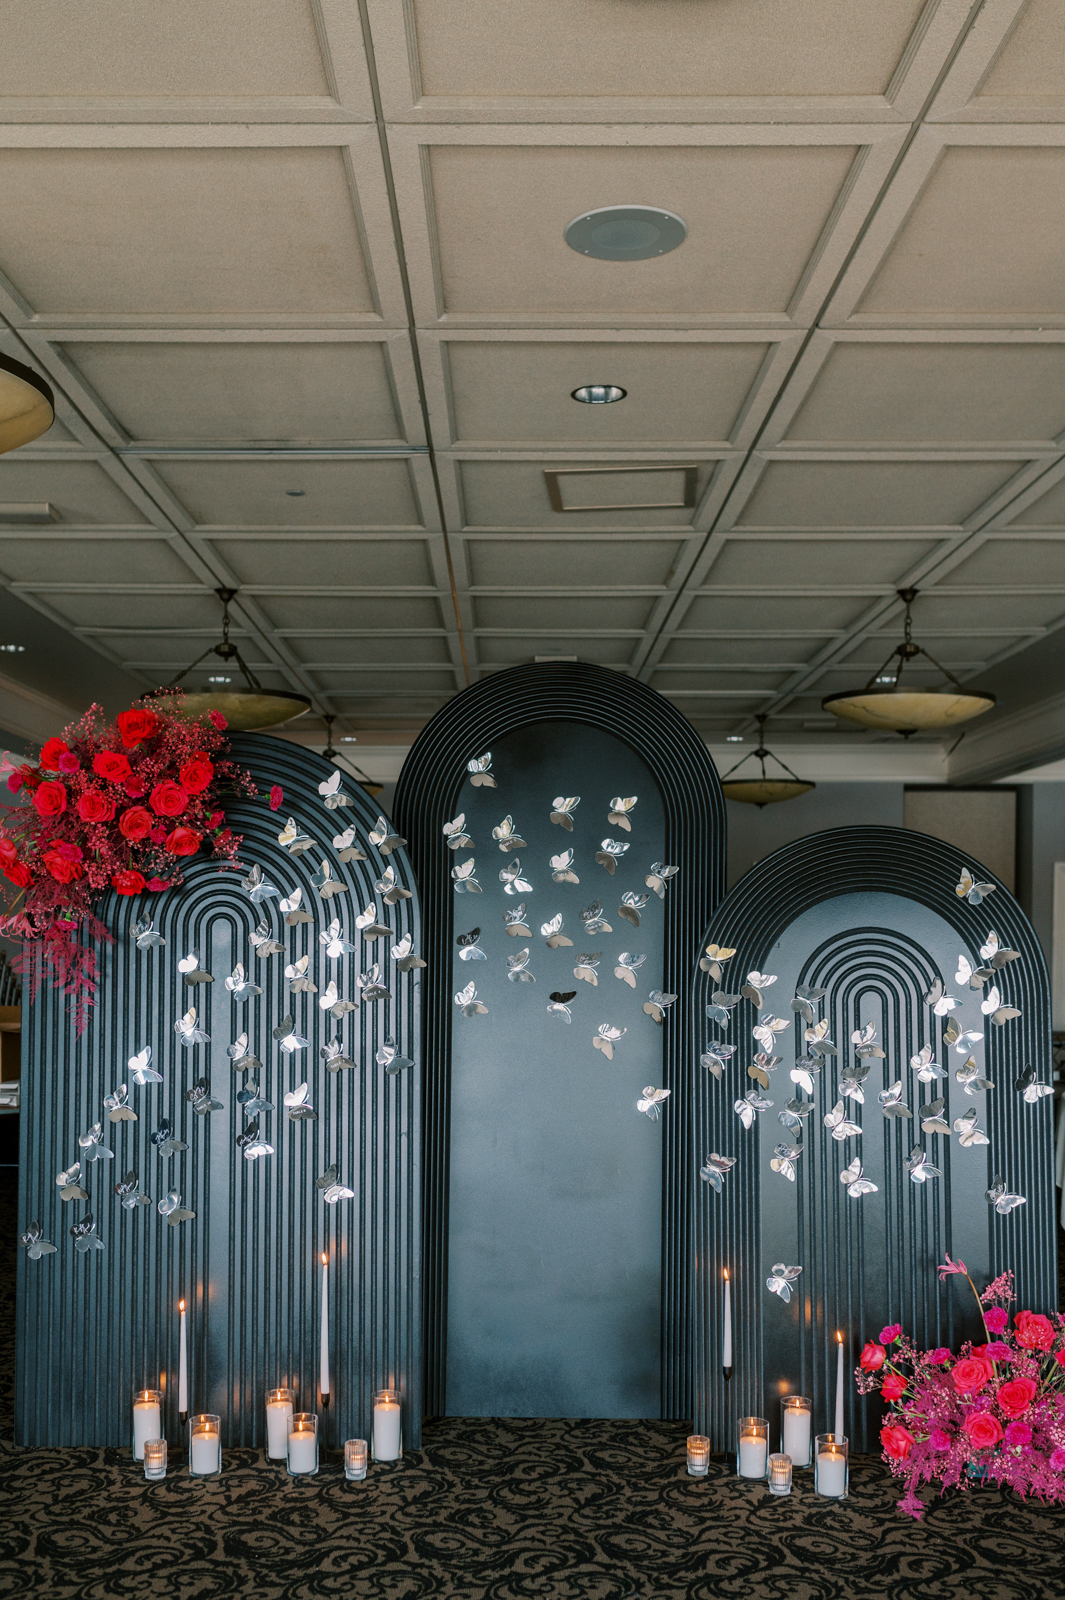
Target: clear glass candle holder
(796,1432)
(387,1426)
(205,1445)
(831,1466)
(279,1410)
(155,1458)
(752,1456)
(780,1474)
(302,1456)
(147,1419)
(698,1455)
(356,1455)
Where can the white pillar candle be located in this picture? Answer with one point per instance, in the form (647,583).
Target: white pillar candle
(147,1421)
(183,1365)
(752,1455)
(278,1420)
(838,1428)
(796,1440)
(726,1348)
(324,1357)
(302,1449)
(832,1473)
(205,1451)
(386,1421)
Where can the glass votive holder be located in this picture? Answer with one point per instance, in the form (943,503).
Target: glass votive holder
(155,1458)
(147,1419)
(752,1457)
(796,1433)
(387,1426)
(698,1455)
(356,1454)
(780,1474)
(205,1445)
(278,1420)
(303,1445)
(831,1472)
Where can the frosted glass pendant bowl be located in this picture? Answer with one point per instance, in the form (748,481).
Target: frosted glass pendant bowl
(761,788)
(885,704)
(625,233)
(27,405)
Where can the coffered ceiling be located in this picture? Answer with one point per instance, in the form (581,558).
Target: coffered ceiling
(297,271)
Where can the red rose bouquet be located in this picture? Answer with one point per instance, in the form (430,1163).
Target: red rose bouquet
(110,806)
(996,1411)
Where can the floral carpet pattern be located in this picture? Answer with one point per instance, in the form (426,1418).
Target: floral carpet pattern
(495,1510)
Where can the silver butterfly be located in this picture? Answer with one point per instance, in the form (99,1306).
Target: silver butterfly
(793,1113)
(715,1057)
(335,1059)
(606,1037)
(852,1082)
(1034,1091)
(257,887)
(291,839)
(187,1030)
(1001,1199)
(333,797)
(806,1002)
(960,1039)
(368,925)
(892,1103)
(164,1141)
(975,977)
(238,984)
(199,1097)
(995,1008)
(68,1185)
(652,1100)
(781,1280)
(562,868)
(765,1032)
(404,956)
(333,1190)
(468,1003)
(939,1000)
(747,1108)
(128,1191)
(926,1069)
(145,936)
(931,1114)
(720,1006)
(346,848)
(631,906)
(251,1145)
(507,836)
(756,983)
(251,1101)
(919,1167)
(390,890)
(784,1158)
(298,1104)
(171,1208)
(585,968)
(117,1108)
(659,876)
(469,949)
(552,932)
(856,1185)
(713,960)
(335,943)
(370,986)
(620,808)
(563,807)
(559,1004)
(383,839)
(969,1078)
(657,1004)
(512,880)
(997,954)
(805,1070)
(287,1037)
(455,834)
(627,967)
(518,966)
(761,1066)
(91,1147)
(264,943)
(715,1168)
(326,884)
(836,1122)
(816,1038)
(967,888)
(84,1235)
(514,923)
(968,1132)
(298,981)
(190,969)
(480,773)
(592,917)
(864,1041)
(240,1055)
(389,1058)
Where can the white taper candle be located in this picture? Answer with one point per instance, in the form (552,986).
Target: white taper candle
(183,1364)
(838,1429)
(726,1348)
(323,1379)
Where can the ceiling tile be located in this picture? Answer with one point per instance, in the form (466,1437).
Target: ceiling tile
(870,494)
(1030,62)
(337,494)
(276,393)
(814,564)
(527,563)
(375,563)
(36,560)
(297,612)
(510,391)
(182,231)
(163,609)
(513,494)
(384,683)
(768,612)
(516,650)
(757,647)
(1046,512)
(79,493)
(501,213)
(369,647)
(1002,562)
(727,683)
(571,615)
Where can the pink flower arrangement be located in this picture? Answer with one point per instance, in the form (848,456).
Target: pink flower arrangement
(996,1411)
(110,806)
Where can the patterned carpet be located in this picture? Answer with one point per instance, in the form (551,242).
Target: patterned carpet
(507,1510)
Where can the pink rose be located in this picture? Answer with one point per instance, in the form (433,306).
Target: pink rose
(1018,1435)
(1016,1396)
(1059,1357)
(872,1357)
(893,1386)
(897,1442)
(996,1319)
(1033,1330)
(983,1429)
(889,1334)
(971,1375)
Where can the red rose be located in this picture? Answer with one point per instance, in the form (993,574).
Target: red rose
(897,1442)
(1034,1331)
(51,750)
(127,882)
(972,1374)
(1016,1396)
(893,1386)
(136,823)
(996,1319)
(8,852)
(983,1429)
(872,1357)
(168,799)
(62,869)
(277,797)
(218,720)
(50,800)
(135,726)
(17,873)
(111,765)
(197,773)
(95,807)
(183,842)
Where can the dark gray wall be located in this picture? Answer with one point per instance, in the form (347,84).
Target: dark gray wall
(754,834)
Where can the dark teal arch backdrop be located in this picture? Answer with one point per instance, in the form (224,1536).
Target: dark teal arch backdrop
(871,916)
(93,1327)
(556,1225)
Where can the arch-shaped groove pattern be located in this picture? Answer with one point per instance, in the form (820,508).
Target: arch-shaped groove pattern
(95,1327)
(870,915)
(429,791)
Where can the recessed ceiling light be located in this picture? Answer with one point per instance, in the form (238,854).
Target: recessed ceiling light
(297,494)
(625,233)
(219,679)
(349,738)
(734,738)
(13,649)
(598,394)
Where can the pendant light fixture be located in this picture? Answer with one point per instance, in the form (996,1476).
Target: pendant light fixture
(763,790)
(245,709)
(27,405)
(331,752)
(884,703)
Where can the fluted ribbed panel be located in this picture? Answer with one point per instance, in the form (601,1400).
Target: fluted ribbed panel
(94,1327)
(429,792)
(859,1256)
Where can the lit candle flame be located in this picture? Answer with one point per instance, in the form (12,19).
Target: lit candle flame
(726,1274)
(839,1337)
(181,1305)
(325,1259)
